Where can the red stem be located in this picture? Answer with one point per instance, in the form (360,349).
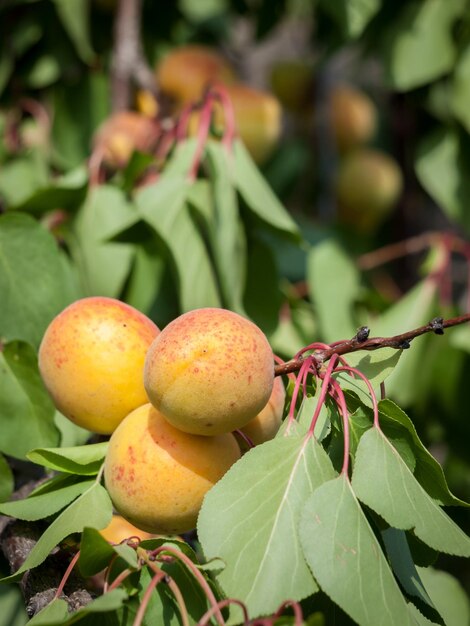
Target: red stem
(221,605)
(65,577)
(324,390)
(341,402)
(298,615)
(356,372)
(159,576)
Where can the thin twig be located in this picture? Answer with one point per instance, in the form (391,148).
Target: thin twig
(361,342)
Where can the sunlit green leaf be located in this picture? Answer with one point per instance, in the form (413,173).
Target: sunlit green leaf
(346,558)
(383,482)
(83,460)
(249,519)
(352,16)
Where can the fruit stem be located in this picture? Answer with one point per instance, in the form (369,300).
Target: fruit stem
(298,615)
(65,577)
(326,380)
(158,577)
(175,590)
(221,605)
(119,579)
(178,554)
(341,402)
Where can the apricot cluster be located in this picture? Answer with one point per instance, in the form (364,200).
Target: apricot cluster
(169,399)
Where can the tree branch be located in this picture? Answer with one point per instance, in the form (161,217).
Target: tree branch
(361,341)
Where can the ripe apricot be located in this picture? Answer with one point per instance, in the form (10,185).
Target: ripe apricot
(123,133)
(209,371)
(91,360)
(157,475)
(257,115)
(265,425)
(186,72)
(353,117)
(368,185)
(119,529)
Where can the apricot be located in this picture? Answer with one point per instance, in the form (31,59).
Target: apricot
(368,185)
(258,116)
(353,117)
(186,72)
(91,360)
(122,134)
(120,529)
(265,425)
(209,371)
(157,475)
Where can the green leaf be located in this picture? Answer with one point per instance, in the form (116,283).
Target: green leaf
(460,94)
(227,235)
(26,410)
(346,559)
(93,507)
(29,257)
(448,595)
(12,607)
(249,519)
(83,460)
(44,71)
(262,298)
(258,196)
(96,553)
(21,178)
(383,482)
(74,17)
(43,505)
(71,435)
(163,206)
(352,16)
(307,409)
(6,480)
(401,560)
(376,365)
(427,472)
(334,285)
(104,265)
(423,31)
(414,309)
(146,277)
(66,192)
(442,159)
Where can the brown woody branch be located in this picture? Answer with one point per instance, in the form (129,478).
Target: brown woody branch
(361,341)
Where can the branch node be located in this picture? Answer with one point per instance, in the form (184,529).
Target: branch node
(362,334)
(404,345)
(437,325)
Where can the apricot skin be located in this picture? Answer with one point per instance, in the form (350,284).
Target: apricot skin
(265,425)
(210,371)
(91,360)
(157,476)
(186,72)
(353,117)
(120,529)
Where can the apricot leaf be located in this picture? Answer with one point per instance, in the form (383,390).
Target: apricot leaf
(346,559)
(83,460)
(383,482)
(423,31)
(6,480)
(249,519)
(352,16)
(447,594)
(36,507)
(103,265)
(93,507)
(26,410)
(334,285)
(428,472)
(96,553)
(226,233)
(461,89)
(163,206)
(54,615)
(258,195)
(29,257)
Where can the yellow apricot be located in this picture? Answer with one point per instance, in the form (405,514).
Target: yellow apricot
(157,475)
(120,529)
(265,425)
(91,360)
(209,371)
(123,133)
(257,119)
(186,72)
(353,117)
(368,185)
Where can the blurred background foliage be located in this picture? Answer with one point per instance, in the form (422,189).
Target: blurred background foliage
(366,146)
